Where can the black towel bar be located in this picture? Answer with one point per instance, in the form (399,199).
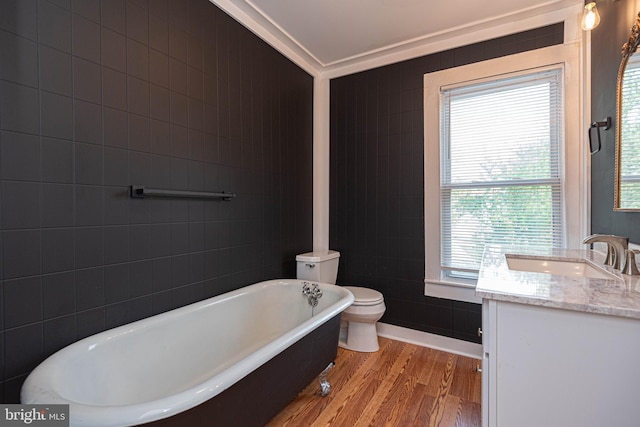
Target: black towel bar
(140,192)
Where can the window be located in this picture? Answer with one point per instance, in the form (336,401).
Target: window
(503,163)
(500,176)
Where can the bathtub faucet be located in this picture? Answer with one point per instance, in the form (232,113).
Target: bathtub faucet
(312,292)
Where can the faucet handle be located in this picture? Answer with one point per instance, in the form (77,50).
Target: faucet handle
(306,289)
(610,259)
(630,267)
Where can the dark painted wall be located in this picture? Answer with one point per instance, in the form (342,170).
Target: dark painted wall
(606,44)
(95,96)
(377,186)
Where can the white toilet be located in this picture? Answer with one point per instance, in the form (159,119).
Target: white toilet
(358,331)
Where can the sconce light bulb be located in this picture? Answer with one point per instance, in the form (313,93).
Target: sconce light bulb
(590,17)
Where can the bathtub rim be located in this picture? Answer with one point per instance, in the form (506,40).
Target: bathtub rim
(40,385)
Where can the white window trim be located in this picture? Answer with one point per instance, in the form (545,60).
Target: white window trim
(573,154)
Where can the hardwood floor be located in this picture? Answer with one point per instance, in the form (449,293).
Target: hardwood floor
(400,385)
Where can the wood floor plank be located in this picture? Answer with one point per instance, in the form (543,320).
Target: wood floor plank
(451,408)
(353,407)
(418,408)
(347,365)
(384,409)
(400,385)
(395,403)
(371,410)
(465,383)
(433,377)
(364,384)
(470,415)
(439,405)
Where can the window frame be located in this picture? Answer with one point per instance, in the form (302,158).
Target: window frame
(572,154)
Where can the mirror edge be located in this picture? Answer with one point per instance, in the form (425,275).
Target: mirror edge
(627,50)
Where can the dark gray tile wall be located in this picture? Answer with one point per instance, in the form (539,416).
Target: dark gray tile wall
(97,95)
(377,187)
(606,44)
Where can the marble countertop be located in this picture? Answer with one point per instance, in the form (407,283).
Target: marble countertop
(618,296)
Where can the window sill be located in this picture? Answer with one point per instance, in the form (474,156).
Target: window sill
(452,291)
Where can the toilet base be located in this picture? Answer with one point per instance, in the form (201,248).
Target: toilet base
(361,337)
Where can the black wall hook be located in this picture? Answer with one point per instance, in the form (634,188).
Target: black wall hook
(606,124)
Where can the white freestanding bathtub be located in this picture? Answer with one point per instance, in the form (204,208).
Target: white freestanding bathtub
(160,368)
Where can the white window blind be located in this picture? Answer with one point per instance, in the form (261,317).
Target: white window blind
(500,167)
(630,134)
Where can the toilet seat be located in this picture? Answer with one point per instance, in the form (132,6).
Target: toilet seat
(365,296)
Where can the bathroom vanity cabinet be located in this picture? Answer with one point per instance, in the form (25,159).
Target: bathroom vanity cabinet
(556,368)
(559,351)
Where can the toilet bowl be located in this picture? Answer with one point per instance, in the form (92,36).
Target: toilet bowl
(358,329)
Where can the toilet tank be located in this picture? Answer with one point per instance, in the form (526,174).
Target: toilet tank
(319,266)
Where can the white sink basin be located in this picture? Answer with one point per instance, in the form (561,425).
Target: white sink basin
(557,266)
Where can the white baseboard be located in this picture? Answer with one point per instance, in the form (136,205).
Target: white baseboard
(425,339)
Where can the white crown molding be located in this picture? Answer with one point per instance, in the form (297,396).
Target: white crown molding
(284,34)
(257,21)
(271,34)
(457,37)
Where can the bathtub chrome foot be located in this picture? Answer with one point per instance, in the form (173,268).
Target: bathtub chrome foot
(325,387)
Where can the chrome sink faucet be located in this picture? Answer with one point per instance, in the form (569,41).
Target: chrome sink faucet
(616,248)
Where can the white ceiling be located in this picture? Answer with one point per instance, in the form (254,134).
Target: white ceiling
(332,33)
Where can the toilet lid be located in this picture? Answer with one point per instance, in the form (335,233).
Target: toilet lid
(365,296)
